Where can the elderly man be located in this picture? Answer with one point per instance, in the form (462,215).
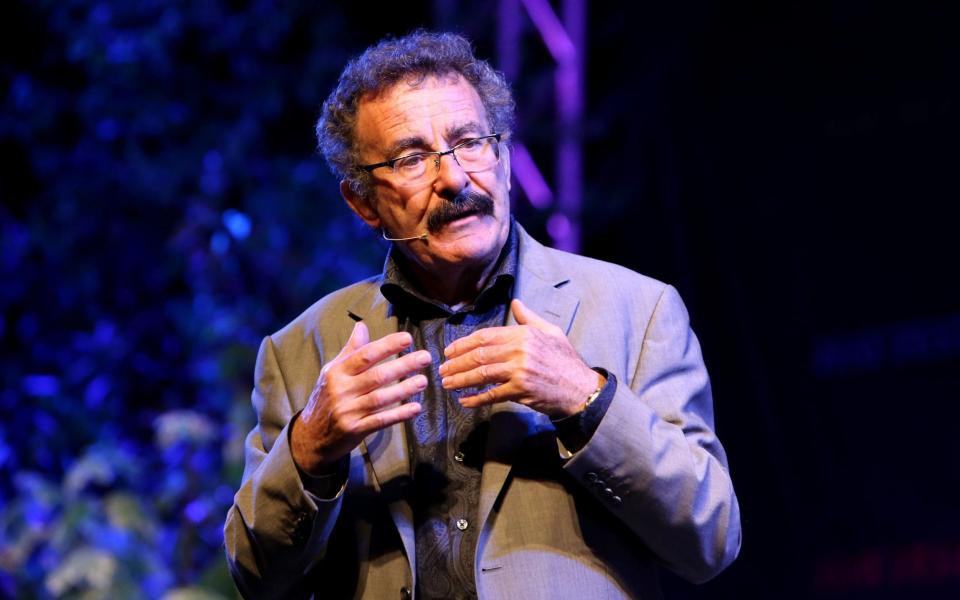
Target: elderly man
(488,417)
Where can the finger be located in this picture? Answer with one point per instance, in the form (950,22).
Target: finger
(386,418)
(392,370)
(481,337)
(482,375)
(525,316)
(500,393)
(364,357)
(358,337)
(484,355)
(385,396)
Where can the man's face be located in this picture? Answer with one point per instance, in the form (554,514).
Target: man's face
(467,215)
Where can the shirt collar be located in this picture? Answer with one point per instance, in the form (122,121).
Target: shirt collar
(400,289)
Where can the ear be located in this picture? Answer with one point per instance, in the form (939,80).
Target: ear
(359,205)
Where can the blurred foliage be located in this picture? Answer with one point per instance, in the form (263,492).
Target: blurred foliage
(162,209)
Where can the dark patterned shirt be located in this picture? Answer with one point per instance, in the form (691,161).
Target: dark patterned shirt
(447,441)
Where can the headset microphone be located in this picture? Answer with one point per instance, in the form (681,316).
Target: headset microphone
(422,236)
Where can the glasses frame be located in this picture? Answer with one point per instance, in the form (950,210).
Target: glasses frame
(438,154)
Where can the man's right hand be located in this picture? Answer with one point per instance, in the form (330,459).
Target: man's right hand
(352,396)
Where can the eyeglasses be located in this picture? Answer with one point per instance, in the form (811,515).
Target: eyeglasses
(473,155)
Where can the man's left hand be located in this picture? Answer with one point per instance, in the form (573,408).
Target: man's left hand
(533,363)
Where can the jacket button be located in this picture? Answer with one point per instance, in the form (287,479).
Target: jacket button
(405,593)
(591,477)
(617,500)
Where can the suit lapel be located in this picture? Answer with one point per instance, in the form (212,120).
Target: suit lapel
(540,285)
(387,451)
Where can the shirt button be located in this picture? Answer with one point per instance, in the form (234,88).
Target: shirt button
(458,457)
(462,524)
(405,593)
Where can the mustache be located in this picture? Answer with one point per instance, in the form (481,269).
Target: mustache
(465,203)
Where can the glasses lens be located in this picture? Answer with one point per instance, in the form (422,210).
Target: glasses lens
(478,154)
(413,167)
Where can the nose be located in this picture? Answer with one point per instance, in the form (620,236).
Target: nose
(451,178)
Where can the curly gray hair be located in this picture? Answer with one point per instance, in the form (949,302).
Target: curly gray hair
(412,58)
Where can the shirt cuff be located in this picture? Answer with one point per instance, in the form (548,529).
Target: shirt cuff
(576,430)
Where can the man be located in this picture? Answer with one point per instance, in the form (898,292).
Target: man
(488,417)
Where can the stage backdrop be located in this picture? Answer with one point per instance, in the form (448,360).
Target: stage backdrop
(790,167)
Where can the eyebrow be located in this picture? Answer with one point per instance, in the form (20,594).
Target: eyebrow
(471,127)
(400,146)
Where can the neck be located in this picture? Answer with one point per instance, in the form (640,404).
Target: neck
(454,285)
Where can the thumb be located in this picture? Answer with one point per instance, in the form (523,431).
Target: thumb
(525,316)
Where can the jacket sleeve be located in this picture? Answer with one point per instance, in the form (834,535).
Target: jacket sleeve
(275,530)
(655,460)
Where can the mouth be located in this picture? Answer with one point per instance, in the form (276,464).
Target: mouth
(464,215)
(459,224)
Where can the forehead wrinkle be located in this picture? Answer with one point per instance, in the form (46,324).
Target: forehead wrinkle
(453,132)
(408,114)
(398,115)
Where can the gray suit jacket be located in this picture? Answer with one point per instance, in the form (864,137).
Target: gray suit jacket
(650,488)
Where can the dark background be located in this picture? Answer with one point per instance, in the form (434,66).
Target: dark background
(791,167)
